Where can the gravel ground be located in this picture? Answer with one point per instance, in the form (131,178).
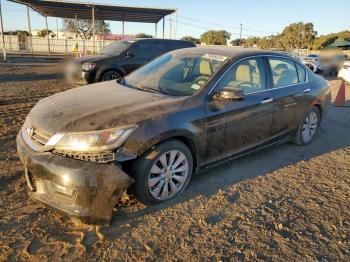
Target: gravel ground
(283,203)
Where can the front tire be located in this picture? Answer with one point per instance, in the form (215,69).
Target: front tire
(110,75)
(163,172)
(308,127)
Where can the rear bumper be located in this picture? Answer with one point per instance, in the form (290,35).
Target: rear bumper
(84,190)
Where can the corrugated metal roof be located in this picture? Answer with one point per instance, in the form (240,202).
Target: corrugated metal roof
(69,9)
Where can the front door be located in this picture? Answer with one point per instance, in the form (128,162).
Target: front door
(234,126)
(138,54)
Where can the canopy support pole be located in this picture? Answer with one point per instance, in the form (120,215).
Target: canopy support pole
(163,26)
(93,30)
(123,28)
(47,35)
(2,35)
(30,31)
(175,31)
(76,26)
(155,30)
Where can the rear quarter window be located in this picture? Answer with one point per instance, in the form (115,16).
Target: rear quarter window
(301,73)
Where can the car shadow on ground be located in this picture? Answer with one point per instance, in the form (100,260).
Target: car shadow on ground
(256,164)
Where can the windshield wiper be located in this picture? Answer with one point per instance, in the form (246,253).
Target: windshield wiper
(145,89)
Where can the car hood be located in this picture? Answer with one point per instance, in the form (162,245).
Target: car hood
(90,58)
(99,106)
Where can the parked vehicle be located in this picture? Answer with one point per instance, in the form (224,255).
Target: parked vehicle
(344,72)
(119,59)
(184,112)
(314,62)
(313,57)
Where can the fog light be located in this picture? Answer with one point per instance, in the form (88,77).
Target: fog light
(62,189)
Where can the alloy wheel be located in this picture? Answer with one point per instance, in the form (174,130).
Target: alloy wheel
(168,175)
(309,126)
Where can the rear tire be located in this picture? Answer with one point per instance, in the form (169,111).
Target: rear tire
(163,172)
(110,75)
(308,128)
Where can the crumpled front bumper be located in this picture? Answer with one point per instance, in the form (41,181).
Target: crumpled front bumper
(84,190)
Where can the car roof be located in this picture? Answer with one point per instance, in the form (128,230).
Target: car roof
(159,39)
(228,51)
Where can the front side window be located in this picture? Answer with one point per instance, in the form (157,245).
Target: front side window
(248,75)
(115,48)
(284,72)
(176,74)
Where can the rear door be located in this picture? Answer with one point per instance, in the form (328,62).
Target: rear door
(234,126)
(291,94)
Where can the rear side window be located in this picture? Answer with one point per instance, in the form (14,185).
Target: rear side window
(284,72)
(301,73)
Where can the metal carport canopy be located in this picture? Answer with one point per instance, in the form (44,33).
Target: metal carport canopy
(70,9)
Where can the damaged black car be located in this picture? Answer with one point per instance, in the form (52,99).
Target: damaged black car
(182,113)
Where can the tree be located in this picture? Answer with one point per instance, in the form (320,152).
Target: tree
(297,35)
(17,32)
(325,40)
(252,42)
(44,32)
(143,35)
(237,42)
(294,36)
(84,27)
(192,39)
(213,37)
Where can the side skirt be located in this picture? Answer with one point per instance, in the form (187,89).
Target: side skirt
(243,153)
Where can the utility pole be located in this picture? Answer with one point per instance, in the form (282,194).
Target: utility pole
(47,36)
(30,31)
(240,35)
(2,35)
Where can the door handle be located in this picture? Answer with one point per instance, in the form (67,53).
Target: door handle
(306,90)
(266,100)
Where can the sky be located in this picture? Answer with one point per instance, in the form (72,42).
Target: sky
(258,18)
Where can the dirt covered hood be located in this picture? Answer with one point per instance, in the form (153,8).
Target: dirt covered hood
(99,106)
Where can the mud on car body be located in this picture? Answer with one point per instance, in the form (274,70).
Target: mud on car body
(181,113)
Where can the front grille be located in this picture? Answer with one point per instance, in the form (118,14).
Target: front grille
(105,157)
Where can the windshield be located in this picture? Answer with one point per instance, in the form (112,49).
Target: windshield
(176,74)
(115,48)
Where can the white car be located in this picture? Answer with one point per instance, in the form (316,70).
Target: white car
(313,62)
(344,72)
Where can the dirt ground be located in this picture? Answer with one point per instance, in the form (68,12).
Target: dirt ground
(283,203)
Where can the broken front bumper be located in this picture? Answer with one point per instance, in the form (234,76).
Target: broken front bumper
(85,190)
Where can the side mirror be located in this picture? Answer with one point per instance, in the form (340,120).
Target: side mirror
(129,54)
(229,93)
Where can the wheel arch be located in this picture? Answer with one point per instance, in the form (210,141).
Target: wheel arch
(104,70)
(185,139)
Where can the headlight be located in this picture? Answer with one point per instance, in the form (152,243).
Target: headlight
(88,66)
(96,141)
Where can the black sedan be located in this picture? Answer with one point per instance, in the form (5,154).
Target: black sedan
(185,111)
